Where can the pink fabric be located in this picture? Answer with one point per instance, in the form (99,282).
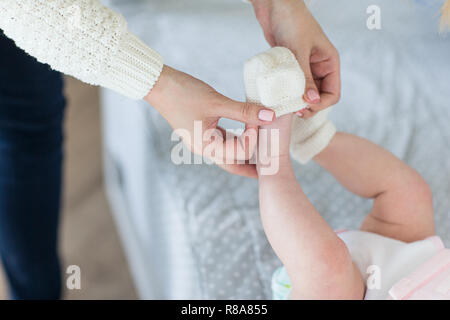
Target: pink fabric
(431,281)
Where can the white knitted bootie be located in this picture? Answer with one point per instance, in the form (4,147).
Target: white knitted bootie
(274,79)
(310,136)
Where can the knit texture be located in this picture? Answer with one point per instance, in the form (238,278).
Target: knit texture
(274,79)
(310,136)
(84,39)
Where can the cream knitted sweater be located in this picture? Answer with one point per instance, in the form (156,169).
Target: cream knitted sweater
(84,39)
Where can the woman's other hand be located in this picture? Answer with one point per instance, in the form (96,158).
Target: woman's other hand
(290,24)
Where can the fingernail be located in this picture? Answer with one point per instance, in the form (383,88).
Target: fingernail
(266,115)
(313,96)
(299,113)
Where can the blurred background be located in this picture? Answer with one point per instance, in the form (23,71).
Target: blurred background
(187,239)
(88,235)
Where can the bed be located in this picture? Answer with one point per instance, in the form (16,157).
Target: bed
(193,231)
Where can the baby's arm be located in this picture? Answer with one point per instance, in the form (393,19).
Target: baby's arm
(402,206)
(317,261)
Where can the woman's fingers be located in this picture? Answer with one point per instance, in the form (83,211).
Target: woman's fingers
(245,170)
(311,94)
(246,112)
(330,91)
(225,147)
(194,109)
(326,74)
(305,113)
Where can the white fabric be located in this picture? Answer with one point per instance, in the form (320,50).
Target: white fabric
(395,92)
(310,136)
(383,263)
(275,80)
(385,260)
(84,39)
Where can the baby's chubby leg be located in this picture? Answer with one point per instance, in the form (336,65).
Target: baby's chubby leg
(317,261)
(402,207)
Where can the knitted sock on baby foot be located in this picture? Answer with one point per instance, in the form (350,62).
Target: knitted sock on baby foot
(310,136)
(274,79)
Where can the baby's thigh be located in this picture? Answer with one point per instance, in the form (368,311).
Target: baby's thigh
(335,276)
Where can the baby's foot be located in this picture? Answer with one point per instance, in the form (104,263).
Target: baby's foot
(274,79)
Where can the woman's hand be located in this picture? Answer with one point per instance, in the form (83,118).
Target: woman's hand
(289,23)
(182,100)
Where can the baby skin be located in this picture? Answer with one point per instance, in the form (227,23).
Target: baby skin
(317,260)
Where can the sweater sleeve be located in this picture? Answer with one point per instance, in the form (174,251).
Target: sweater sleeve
(84,39)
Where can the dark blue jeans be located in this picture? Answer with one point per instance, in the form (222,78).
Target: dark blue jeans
(31,136)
